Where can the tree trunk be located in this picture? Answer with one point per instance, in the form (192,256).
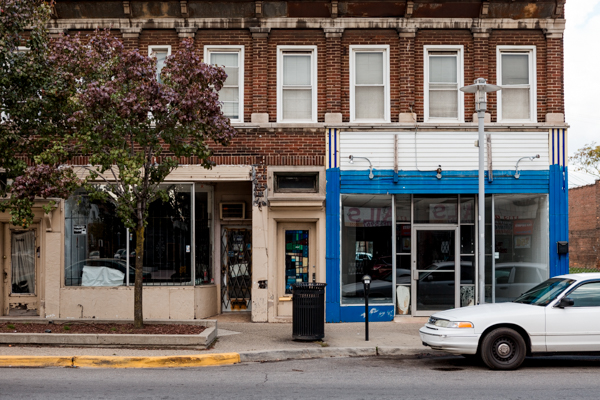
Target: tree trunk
(138,316)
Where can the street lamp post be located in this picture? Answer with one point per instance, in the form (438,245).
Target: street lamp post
(481,88)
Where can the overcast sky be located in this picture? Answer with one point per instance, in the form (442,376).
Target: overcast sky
(582,72)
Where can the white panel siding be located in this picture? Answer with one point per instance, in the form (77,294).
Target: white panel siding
(454,151)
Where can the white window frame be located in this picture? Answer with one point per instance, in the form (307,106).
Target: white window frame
(459,49)
(385,49)
(154,47)
(280,52)
(531,50)
(208,49)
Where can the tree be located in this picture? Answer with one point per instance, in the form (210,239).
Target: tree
(135,128)
(34,103)
(588,159)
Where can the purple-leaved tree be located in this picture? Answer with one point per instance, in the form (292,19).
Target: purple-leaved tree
(134,128)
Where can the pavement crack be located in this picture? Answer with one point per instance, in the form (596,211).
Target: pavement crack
(266,378)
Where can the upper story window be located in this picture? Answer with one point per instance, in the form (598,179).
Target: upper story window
(443,74)
(297,83)
(231,58)
(370,83)
(516,74)
(160,53)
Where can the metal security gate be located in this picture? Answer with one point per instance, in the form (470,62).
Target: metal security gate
(236,269)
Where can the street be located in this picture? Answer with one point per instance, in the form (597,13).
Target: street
(339,378)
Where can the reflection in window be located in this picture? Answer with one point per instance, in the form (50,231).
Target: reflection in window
(436,209)
(96,242)
(366,248)
(587,295)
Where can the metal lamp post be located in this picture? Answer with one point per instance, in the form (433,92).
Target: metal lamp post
(481,88)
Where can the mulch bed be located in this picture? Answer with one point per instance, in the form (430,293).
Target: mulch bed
(84,327)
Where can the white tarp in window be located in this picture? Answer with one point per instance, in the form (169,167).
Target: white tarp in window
(101,276)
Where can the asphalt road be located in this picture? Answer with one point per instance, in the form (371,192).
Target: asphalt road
(340,378)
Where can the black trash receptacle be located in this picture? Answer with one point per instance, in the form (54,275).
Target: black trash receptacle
(308,311)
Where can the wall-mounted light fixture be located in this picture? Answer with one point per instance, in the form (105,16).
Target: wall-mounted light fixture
(531,158)
(352,158)
(439,172)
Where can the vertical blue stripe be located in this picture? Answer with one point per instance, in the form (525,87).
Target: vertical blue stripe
(329,148)
(564,163)
(553,161)
(332,246)
(335,139)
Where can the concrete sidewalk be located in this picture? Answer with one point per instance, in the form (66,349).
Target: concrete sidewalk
(250,341)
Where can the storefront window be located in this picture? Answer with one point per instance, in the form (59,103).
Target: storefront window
(96,242)
(436,209)
(366,248)
(521,244)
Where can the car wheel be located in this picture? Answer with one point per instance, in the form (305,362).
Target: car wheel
(503,349)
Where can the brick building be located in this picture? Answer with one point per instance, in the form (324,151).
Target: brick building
(355,154)
(584,227)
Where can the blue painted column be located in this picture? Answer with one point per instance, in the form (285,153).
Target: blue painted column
(333,244)
(333,228)
(559,201)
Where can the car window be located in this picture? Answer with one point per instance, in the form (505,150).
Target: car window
(586,295)
(502,275)
(544,293)
(526,275)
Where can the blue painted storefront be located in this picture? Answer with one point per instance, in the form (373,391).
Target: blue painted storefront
(552,182)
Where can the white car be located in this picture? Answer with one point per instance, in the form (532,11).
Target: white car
(560,315)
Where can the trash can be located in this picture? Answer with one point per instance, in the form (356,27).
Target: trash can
(308,311)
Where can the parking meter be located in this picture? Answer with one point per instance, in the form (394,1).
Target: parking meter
(366,286)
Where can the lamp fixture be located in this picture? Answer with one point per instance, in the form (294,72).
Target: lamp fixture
(531,158)
(439,172)
(352,158)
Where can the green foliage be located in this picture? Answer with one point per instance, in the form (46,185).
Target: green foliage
(588,159)
(10,326)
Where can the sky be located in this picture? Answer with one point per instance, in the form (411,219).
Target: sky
(582,74)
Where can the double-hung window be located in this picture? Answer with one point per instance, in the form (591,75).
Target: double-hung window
(160,53)
(516,74)
(443,75)
(296,83)
(370,83)
(231,96)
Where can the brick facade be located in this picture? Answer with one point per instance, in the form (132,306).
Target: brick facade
(584,227)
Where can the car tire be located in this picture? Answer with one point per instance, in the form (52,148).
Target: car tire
(503,349)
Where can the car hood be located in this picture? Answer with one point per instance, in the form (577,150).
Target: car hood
(485,315)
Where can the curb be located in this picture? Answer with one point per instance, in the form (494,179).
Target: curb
(202,360)
(205,360)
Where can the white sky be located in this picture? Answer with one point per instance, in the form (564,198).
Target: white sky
(582,72)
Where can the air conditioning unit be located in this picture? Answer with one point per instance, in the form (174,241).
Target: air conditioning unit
(233,210)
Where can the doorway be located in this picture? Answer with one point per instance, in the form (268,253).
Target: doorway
(236,269)
(435,270)
(23,276)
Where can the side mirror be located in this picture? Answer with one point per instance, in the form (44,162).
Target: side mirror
(565,302)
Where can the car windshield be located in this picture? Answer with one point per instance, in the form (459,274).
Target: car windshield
(545,292)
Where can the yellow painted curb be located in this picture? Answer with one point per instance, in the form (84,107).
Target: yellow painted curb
(35,361)
(156,362)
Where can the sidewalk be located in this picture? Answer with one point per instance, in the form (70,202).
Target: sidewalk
(242,341)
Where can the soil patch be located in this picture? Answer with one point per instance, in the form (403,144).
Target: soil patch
(100,328)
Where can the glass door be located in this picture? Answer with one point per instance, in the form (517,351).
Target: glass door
(435,270)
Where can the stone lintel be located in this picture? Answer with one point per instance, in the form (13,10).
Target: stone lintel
(407,32)
(259,32)
(333,118)
(186,32)
(259,118)
(333,32)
